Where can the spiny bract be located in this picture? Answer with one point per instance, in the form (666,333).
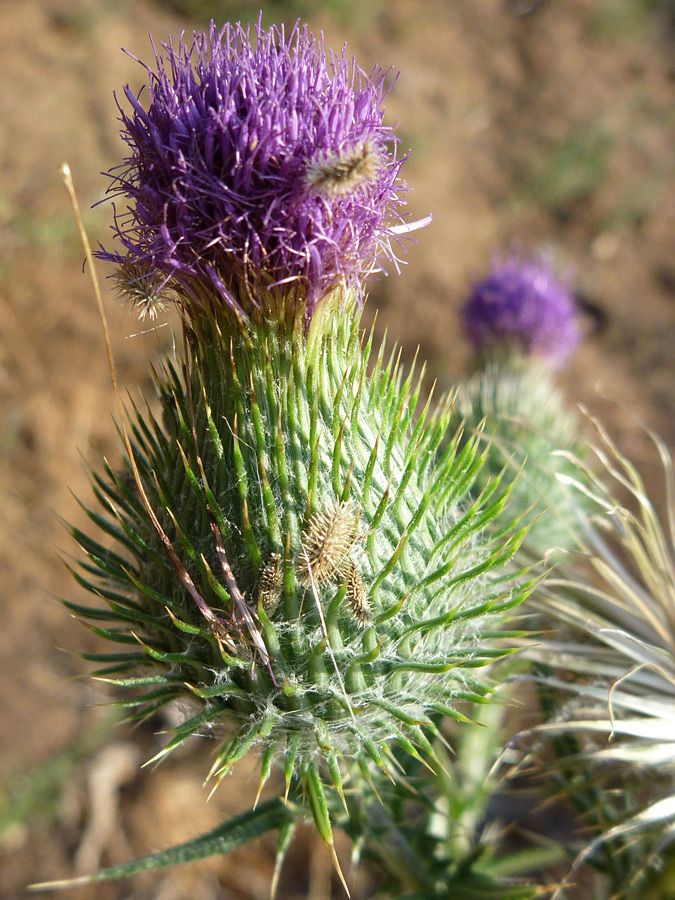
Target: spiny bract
(215,588)
(531,432)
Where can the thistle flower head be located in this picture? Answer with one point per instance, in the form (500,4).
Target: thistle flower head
(522,307)
(261,176)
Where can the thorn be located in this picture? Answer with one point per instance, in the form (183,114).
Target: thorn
(59,885)
(336,864)
(276,875)
(213,789)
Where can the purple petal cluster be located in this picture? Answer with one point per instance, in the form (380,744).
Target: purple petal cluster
(521,307)
(260,172)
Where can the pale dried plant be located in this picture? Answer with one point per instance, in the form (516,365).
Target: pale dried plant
(614,655)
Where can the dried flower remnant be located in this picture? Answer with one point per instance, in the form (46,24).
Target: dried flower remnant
(326,543)
(356,596)
(146,291)
(271,583)
(521,307)
(216,184)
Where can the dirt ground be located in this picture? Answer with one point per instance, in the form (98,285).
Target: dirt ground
(545,124)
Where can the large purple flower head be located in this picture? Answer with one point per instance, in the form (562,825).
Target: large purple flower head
(522,307)
(261,175)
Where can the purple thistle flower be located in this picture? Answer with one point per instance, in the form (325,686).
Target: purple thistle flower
(260,176)
(521,307)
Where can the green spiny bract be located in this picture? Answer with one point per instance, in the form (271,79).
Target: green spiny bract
(532,433)
(270,444)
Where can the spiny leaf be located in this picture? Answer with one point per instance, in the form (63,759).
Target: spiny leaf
(234,833)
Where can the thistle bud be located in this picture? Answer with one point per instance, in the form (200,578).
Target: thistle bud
(532,433)
(523,322)
(304,565)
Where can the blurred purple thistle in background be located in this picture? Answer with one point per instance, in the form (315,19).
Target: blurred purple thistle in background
(522,308)
(261,175)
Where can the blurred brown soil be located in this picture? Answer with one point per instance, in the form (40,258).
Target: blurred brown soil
(536,123)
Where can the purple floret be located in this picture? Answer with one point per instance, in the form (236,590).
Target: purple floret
(521,307)
(260,173)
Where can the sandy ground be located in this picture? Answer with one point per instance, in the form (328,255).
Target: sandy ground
(545,124)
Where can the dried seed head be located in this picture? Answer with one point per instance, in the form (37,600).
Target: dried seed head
(343,173)
(271,584)
(144,290)
(356,597)
(326,543)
